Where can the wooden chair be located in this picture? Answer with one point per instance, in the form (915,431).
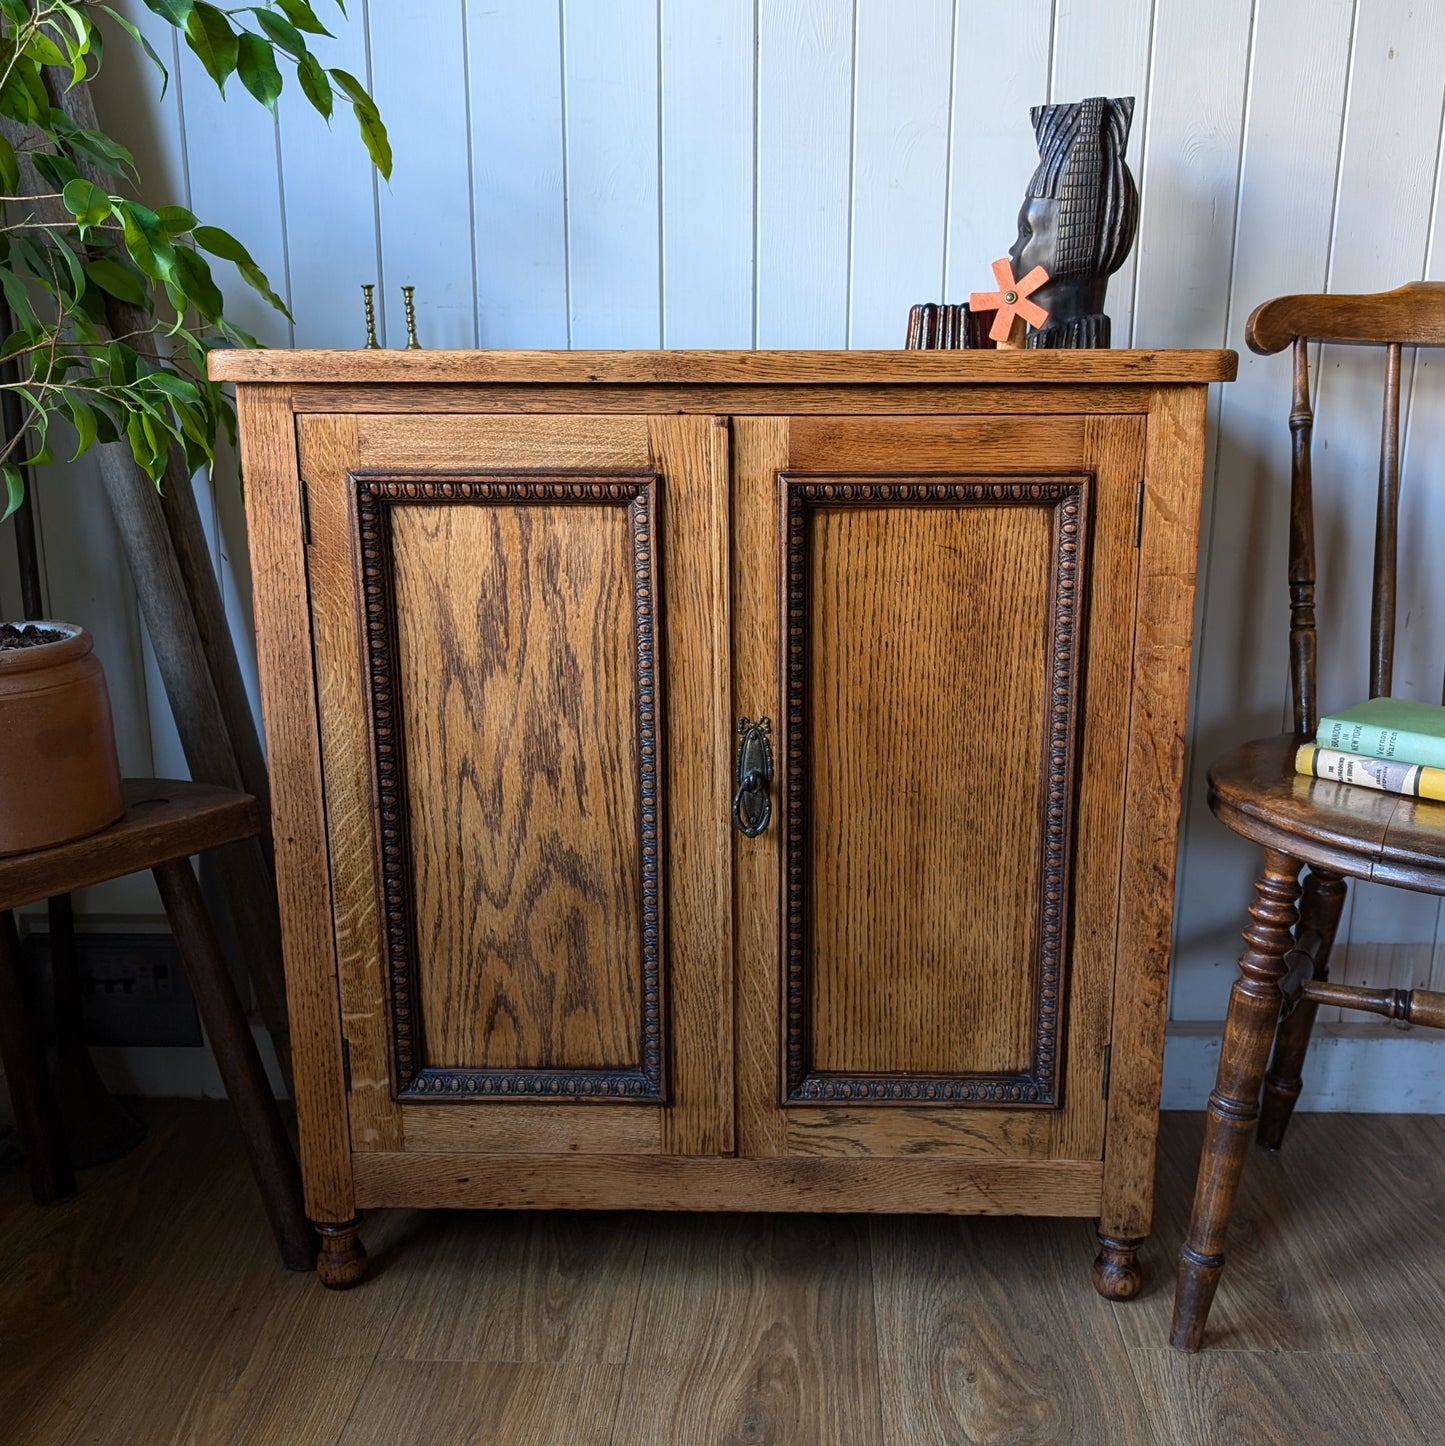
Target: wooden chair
(1339,831)
(165,822)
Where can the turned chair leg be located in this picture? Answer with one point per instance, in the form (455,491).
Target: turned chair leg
(1319,918)
(37,1120)
(1254,1005)
(273,1162)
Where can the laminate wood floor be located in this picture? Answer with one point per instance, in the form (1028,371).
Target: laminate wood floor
(152,1310)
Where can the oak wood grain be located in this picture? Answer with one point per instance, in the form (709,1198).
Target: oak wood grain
(753,1330)
(417,1403)
(123,1322)
(1413,314)
(542,1287)
(1228,1396)
(517,692)
(927,725)
(276,533)
(667,1182)
(867,368)
(1174,454)
(976,1329)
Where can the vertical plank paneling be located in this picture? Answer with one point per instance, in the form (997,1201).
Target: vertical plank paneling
(1000,71)
(900,164)
(805,108)
(514,73)
(613,225)
(1191,173)
(1102,47)
(1286,194)
(1388,169)
(707,173)
(327,182)
(419,81)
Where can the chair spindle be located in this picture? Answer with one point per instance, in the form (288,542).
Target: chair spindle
(1302,640)
(1387,526)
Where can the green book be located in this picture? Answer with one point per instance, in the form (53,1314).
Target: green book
(1388,728)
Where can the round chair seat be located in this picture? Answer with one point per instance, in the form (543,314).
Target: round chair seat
(1361,832)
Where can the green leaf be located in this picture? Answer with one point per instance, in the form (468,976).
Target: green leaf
(176,219)
(144,44)
(58,170)
(256,65)
(314,84)
(86,423)
(193,276)
(42,48)
(17,298)
(93,145)
(373,132)
(14,489)
(303,17)
(10,166)
(116,280)
(223,244)
(282,33)
(220,243)
(60,247)
(17,95)
(351,88)
(255,278)
(146,240)
(86,202)
(178,12)
(209,34)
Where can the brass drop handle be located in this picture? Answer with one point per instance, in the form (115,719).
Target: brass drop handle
(752,803)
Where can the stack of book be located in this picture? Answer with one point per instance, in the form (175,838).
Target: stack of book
(1387,743)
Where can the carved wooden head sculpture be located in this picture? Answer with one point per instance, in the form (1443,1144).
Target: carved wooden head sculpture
(1078,217)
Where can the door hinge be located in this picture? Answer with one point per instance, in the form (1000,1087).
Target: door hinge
(305,513)
(1139,514)
(1108,1061)
(346,1062)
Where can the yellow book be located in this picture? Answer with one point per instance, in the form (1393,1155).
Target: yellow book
(1363,771)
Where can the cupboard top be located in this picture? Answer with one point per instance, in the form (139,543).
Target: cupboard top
(764,368)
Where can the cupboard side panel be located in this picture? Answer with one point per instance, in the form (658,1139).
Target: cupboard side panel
(1174,458)
(303,882)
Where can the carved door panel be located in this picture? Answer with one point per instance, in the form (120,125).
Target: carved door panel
(517,627)
(936,613)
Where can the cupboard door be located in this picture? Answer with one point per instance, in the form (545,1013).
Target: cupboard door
(936,614)
(520,655)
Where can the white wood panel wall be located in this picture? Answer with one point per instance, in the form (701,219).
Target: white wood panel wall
(634,173)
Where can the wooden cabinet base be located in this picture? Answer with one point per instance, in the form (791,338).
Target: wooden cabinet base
(726,781)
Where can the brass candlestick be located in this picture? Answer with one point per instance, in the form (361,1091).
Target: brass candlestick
(368,292)
(412,344)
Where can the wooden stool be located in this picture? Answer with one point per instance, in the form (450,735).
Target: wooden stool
(165,822)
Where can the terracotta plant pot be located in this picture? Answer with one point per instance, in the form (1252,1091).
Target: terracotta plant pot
(59,775)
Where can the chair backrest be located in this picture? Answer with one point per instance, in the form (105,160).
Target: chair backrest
(1412,315)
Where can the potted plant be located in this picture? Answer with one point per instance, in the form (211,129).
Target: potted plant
(108,307)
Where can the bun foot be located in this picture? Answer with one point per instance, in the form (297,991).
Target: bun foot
(341,1261)
(1116,1268)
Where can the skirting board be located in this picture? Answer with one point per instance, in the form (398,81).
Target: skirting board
(1366,1068)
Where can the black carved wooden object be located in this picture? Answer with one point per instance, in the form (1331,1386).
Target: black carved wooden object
(1078,217)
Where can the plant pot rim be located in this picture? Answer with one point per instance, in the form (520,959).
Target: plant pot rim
(76,643)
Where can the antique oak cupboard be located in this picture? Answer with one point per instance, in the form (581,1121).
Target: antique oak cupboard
(726,780)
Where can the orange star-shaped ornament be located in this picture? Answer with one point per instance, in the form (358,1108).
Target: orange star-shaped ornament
(1010,300)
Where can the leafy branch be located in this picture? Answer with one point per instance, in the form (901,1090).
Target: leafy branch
(113,305)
